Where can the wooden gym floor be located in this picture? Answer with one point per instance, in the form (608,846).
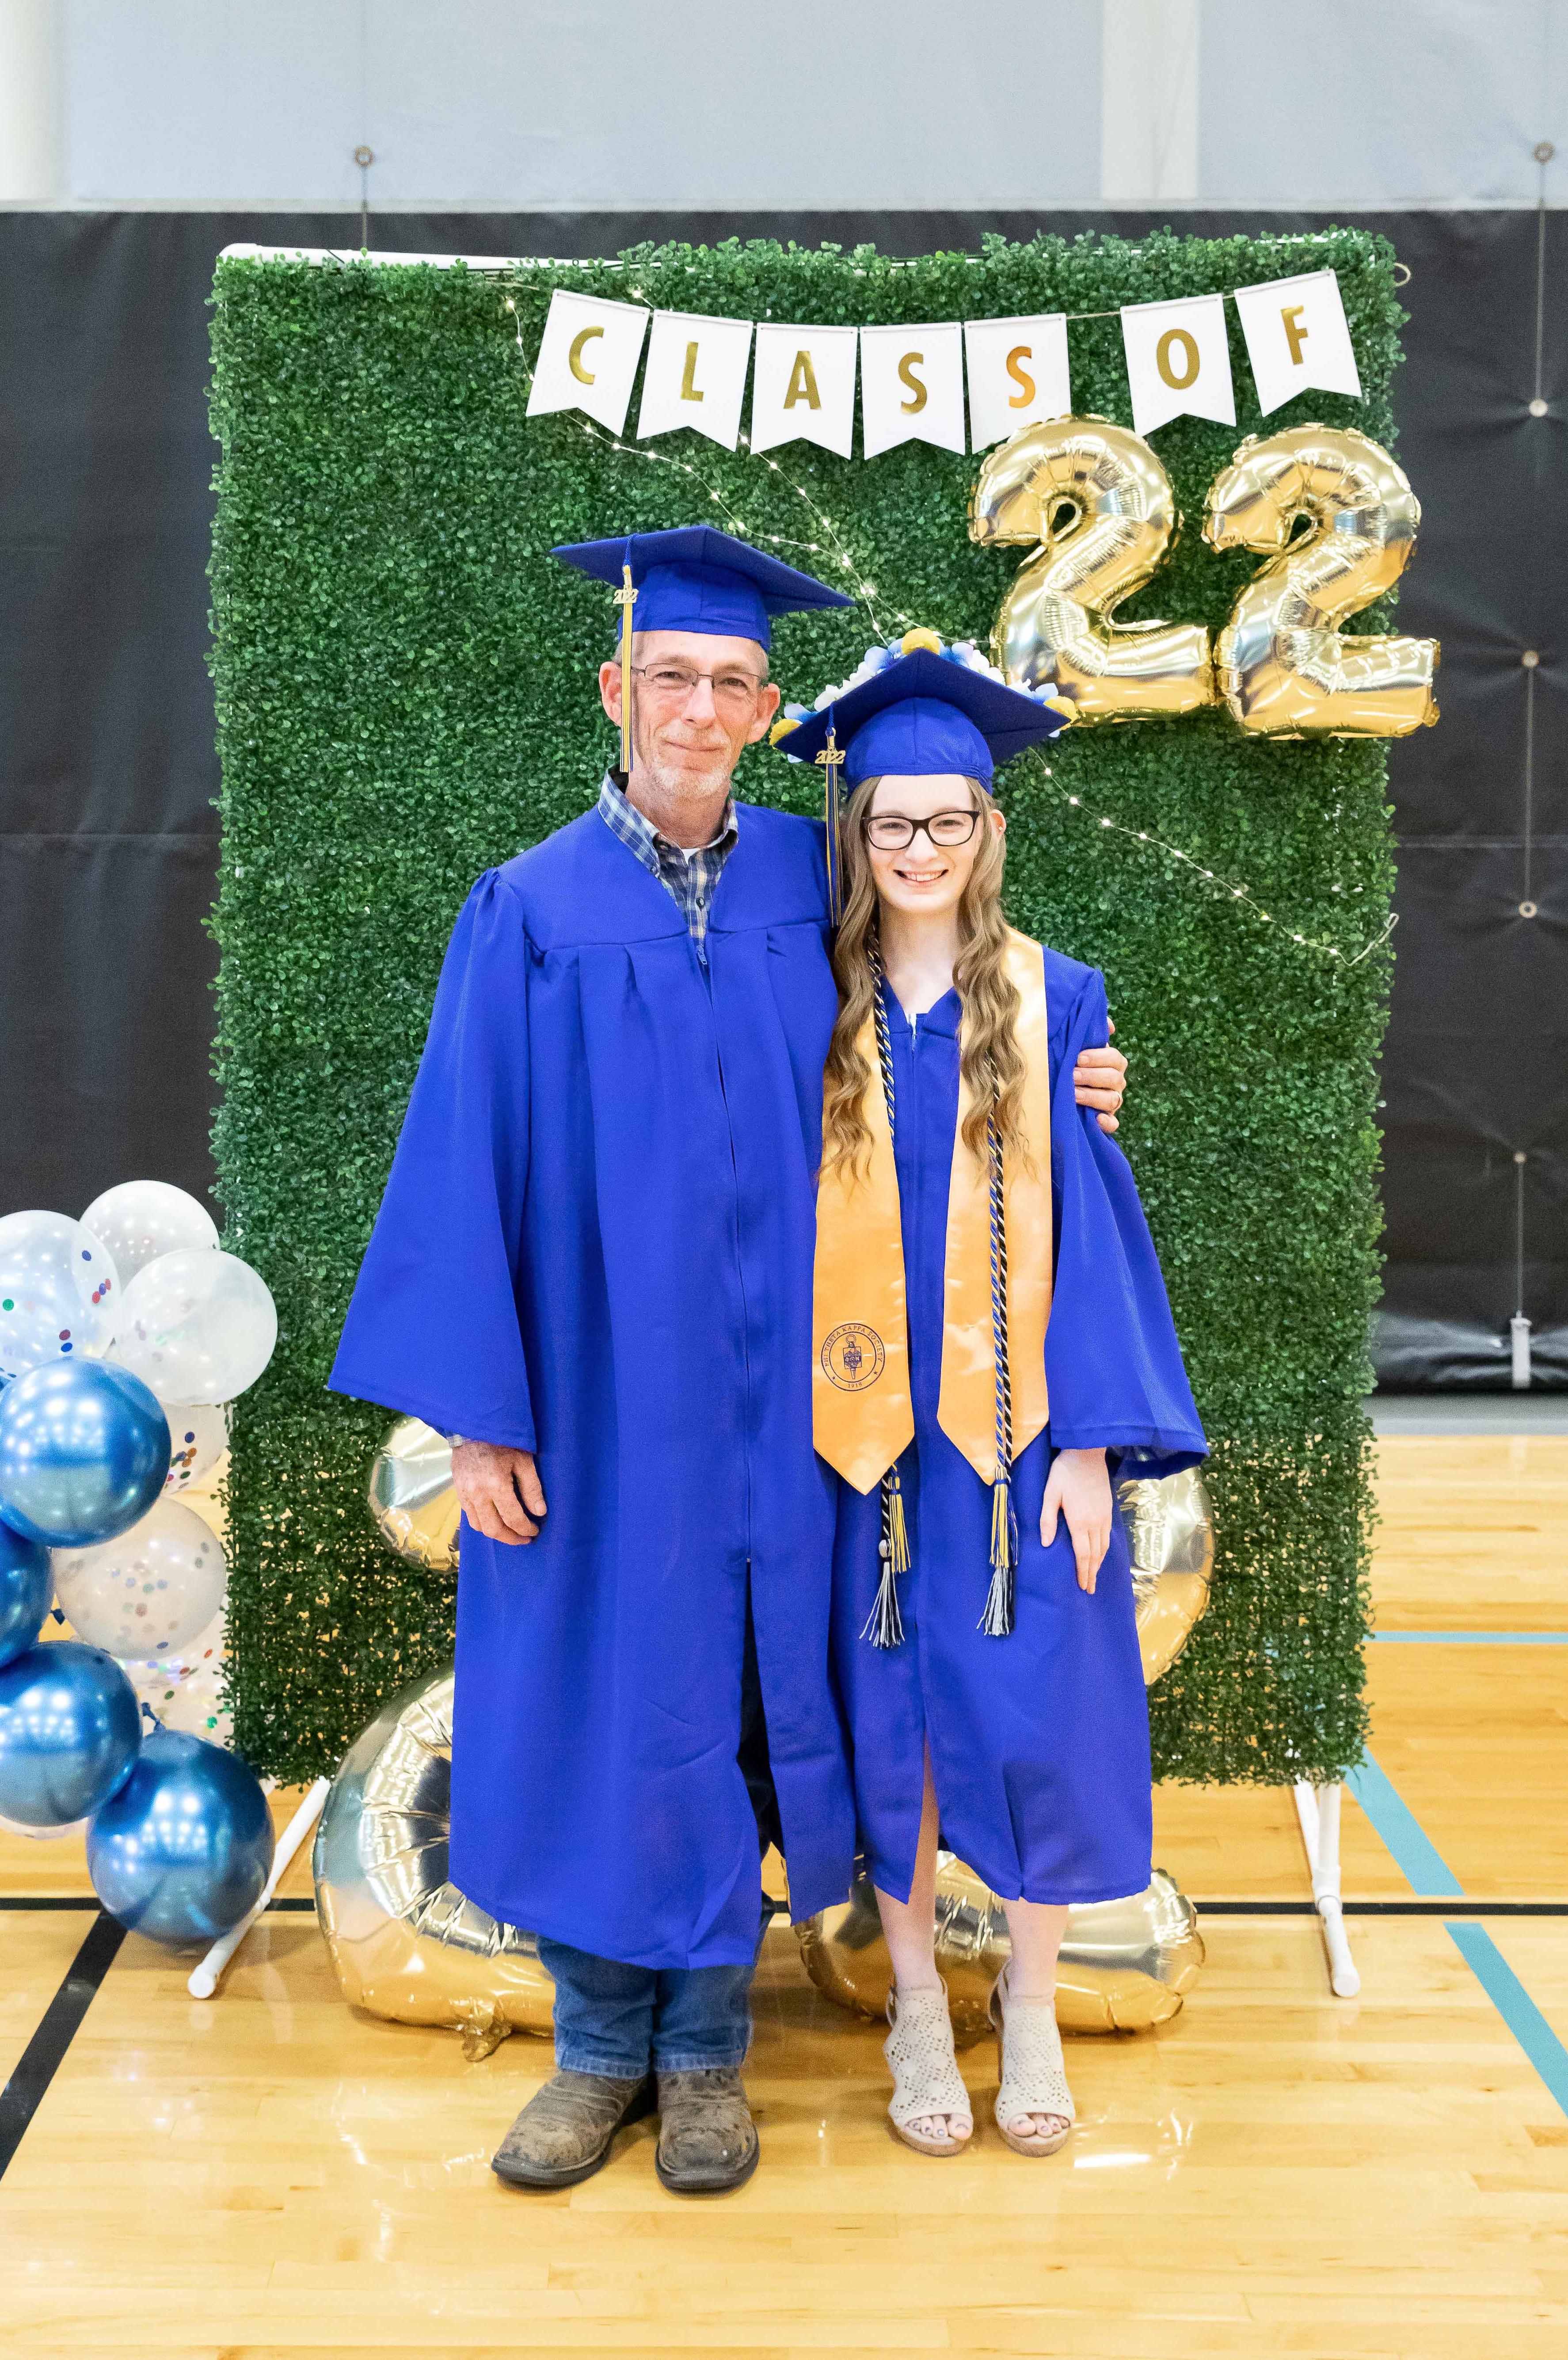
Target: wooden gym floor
(1277,2172)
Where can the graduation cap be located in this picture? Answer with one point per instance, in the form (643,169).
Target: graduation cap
(926,715)
(693,579)
(930,712)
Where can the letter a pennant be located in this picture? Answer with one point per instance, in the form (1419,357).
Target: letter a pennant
(803,388)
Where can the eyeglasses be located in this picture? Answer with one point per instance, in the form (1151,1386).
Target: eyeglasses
(733,691)
(892,831)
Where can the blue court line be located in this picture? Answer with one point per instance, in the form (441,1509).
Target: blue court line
(1516,2007)
(1467,1638)
(1415,1855)
(1425,1871)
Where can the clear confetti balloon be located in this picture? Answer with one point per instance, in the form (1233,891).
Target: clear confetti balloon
(197,1438)
(196,1326)
(141,1219)
(188,1694)
(148,1592)
(158,1681)
(60,1291)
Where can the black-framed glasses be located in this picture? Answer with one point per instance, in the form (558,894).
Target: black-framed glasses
(733,691)
(893,831)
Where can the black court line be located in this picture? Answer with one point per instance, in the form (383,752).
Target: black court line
(89,1901)
(1458,1907)
(42,2058)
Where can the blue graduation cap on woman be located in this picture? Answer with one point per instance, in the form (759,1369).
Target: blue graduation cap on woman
(932,711)
(693,579)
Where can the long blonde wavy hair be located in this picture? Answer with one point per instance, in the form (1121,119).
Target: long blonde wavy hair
(991,1061)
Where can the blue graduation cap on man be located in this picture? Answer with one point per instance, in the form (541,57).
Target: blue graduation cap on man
(693,578)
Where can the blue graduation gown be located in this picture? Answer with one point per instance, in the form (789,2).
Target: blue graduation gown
(596,1244)
(1039,1742)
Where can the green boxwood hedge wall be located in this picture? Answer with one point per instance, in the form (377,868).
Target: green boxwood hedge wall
(405,694)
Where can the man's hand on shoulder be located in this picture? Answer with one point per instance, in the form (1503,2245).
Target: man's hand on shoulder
(1099,1080)
(498,1490)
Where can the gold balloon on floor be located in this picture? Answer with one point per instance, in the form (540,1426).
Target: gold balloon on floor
(1125,1965)
(412,1503)
(1171,1535)
(406,1943)
(1098,504)
(1284,667)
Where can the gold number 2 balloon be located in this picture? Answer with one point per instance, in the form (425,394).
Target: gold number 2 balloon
(1285,668)
(1099,504)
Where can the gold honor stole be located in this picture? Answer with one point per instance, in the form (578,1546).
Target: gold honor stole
(862,1413)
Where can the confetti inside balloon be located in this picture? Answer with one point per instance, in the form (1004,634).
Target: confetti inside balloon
(141,1219)
(198,1327)
(184,1689)
(60,1291)
(83,1452)
(197,1438)
(150,1591)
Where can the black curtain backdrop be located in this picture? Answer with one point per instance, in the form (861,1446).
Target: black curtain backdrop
(107,771)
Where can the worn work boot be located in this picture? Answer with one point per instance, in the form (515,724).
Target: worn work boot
(707,2140)
(563,2134)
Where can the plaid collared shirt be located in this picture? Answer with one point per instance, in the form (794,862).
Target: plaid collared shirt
(689,878)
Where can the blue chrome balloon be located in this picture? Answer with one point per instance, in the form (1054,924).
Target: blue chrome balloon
(83,1452)
(183,1850)
(24,1591)
(70,1729)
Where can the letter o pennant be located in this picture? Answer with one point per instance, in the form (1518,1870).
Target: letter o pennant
(1178,358)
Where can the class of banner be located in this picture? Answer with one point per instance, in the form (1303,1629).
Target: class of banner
(913,379)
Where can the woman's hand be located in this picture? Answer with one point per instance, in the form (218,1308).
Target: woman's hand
(1099,1080)
(1079,1488)
(498,1490)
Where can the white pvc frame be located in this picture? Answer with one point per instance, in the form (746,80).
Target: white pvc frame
(204,1979)
(1317,1808)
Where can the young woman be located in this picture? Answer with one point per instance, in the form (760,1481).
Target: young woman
(994,1344)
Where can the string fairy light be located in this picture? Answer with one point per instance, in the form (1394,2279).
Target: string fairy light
(866,594)
(1226,888)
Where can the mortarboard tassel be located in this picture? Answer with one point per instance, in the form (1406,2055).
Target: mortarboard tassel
(626,599)
(832,762)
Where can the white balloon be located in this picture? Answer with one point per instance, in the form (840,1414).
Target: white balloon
(183,1689)
(60,1291)
(198,1327)
(147,1593)
(198,1437)
(143,1218)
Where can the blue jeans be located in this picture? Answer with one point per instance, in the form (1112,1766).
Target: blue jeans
(615,2019)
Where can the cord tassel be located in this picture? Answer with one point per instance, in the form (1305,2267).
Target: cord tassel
(997,1619)
(885,1625)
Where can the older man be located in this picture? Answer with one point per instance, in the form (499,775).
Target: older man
(592,1263)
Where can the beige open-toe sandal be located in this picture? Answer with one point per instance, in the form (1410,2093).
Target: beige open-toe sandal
(1034,2078)
(926,2079)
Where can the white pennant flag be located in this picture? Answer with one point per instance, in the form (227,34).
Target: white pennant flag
(803,388)
(695,375)
(1297,336)
(912,387)
(588,358)
(1017,373)
(1177,359)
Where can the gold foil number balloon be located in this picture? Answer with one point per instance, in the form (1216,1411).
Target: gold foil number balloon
(1099,504)
(1171,1537)
(1285,668)
(406,1943)
(412,1503)
(1125,1965)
